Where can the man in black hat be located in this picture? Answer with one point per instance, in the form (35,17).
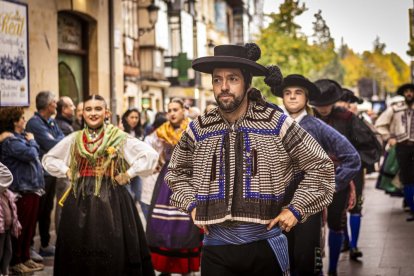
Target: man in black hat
(234,164)
(364,141)
(349,101)
(305,239)
(396,125)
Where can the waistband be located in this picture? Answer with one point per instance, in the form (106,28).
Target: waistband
(93,172)
(247,233)
(407,143)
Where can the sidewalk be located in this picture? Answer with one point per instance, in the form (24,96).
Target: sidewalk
(386,240)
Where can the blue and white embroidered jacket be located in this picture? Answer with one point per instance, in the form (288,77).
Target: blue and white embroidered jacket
(245,172)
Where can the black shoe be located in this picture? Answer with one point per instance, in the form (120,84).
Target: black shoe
(411,217)
(395,194)
(354,254)
(405,206)
(332,273)
(345,245)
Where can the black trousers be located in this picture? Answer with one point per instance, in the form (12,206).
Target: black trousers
(252,259)
(45,209)
(304,241)
(337,209)
(405,157)
(359,188)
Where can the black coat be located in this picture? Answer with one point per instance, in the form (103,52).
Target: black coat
(357,132)
(64,124)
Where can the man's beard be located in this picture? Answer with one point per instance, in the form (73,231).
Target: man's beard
(409,101)
(230,106)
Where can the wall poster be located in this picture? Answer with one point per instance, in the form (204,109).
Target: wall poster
(14,54)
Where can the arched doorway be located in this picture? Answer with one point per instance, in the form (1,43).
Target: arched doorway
(67,83)
(73,56)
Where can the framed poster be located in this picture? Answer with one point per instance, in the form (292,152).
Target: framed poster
(14,54)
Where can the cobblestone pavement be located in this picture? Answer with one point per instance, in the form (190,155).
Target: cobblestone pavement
(386,240)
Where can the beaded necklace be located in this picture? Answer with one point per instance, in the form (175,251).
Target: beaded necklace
(92,140)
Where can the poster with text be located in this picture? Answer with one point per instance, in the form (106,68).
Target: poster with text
(14,54)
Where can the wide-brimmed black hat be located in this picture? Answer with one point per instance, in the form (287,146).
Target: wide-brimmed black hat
(232,56)
(331,92)
(300,81)
(349,97)
(402,88)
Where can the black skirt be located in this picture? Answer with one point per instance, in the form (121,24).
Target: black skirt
(101,235)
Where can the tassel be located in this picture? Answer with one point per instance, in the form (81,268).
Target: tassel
(256,95)
(112,169)
(65,195)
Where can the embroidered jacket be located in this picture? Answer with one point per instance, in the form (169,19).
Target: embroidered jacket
(397,121)
(242,173)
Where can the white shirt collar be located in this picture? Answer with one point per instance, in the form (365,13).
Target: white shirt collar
(301,116)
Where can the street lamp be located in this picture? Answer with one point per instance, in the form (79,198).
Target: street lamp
(210,44)
(152,10)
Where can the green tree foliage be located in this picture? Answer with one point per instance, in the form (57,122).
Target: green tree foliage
(388,70)
(284,21)
(329,59)
(353,64)
(284,45)
(322,33)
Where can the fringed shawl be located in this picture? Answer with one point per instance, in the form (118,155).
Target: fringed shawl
(170,135)
(106,160)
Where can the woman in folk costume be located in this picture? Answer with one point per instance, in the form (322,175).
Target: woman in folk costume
(172,237)
(100,232)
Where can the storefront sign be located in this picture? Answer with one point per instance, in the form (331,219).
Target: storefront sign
(69,33)
(14,54)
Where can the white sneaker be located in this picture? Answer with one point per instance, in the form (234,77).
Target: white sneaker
(35,256)
(47,251)
(33,265)
(20,269)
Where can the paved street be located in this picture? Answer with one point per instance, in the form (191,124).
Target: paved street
(386,239)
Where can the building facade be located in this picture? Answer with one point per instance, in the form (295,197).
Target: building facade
(113,48)
(71,51)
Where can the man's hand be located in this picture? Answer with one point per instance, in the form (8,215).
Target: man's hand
(204,227)
(392,142)
(5,135)
(122,178)
(352,196)
(285,219)
(69,175)
(29,136)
